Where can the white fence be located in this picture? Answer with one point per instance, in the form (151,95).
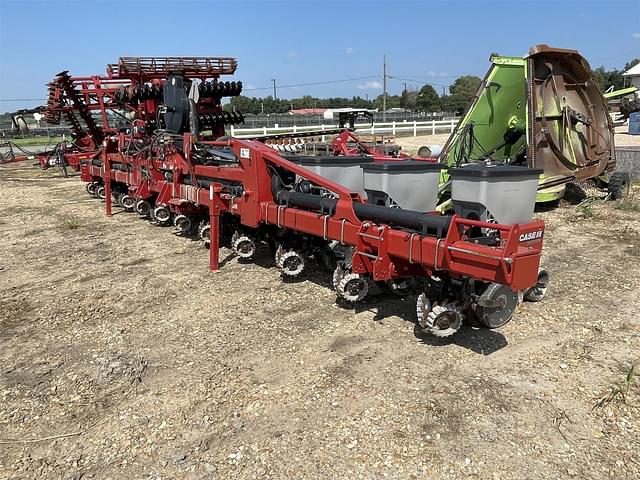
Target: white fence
(401,127)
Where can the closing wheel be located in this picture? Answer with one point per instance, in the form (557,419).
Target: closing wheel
(440,320)
(117,198)
(338,274)
(290,262)
(496,305)
(182,223)
(353,287)
(537,293)
(162,214)
(423,307)
(143,208)
(91,188)
(243,245)
(204,232)
(127,202)
(101,192)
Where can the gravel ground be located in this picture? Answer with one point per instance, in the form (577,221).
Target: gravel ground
(123,357)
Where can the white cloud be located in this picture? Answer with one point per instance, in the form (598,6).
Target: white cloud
(374,85)
(348,50)
(291,55)
(635,34)
(249,86)
(433,73)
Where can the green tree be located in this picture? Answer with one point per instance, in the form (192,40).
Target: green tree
(427,99)
(462,92)
(393,101)
(409,100)
(609,78)
(631,64)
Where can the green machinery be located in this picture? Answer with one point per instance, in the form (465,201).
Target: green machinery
(541,111)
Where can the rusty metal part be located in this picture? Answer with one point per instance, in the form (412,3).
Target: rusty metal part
(570,130)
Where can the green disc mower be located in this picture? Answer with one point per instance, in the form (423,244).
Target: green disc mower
(542,111)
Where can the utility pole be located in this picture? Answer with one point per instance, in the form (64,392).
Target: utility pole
(275,96)
(384,88)
(405,87)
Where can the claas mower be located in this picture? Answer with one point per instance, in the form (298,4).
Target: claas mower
(542,111)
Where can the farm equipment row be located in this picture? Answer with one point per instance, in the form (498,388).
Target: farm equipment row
(463,265)
(243,193)
(367,215)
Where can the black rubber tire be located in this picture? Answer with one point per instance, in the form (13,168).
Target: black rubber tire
(627,107)
(537,293)
(619,183)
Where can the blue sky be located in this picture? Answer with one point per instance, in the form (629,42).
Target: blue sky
(304,41)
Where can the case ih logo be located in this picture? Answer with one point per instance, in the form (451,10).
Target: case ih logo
(525,237)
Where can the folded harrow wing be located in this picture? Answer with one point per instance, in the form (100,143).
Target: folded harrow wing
(130,97)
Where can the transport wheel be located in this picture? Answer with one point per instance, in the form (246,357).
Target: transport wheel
(127,202)
(162,214)
(537,293)
(496,305)
(619,183)
(627,107)
(143,208)
(101,193)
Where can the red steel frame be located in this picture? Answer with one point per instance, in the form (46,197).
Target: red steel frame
(380,250)
(98,93)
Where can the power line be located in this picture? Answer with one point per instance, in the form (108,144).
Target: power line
(428,76)
(271,87)
(415,81)
(326,82)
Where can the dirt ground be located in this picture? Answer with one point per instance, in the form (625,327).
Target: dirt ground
(122,357)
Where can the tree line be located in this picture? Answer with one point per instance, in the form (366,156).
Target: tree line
(426,99)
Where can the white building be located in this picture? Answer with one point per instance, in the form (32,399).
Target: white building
(633,76)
